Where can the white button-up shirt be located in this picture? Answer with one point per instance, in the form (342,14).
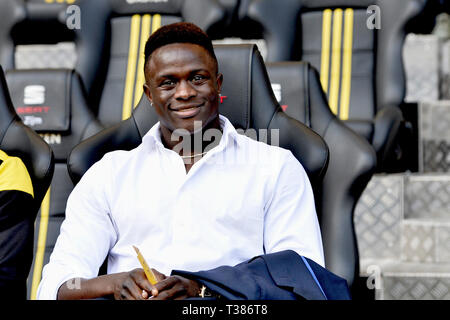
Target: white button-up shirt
(242,199)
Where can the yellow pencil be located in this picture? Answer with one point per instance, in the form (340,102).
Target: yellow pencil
(148,272)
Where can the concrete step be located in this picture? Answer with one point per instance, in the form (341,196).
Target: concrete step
(434,136)
(427,196)
(445,70)
(402,225)
(378,216)
(422,64)
(397,211)
(425,240)
(407,280)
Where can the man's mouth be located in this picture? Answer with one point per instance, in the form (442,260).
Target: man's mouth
(186,111)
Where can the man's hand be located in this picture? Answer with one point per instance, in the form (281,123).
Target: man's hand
(134,285)
(175,288)
(125,285)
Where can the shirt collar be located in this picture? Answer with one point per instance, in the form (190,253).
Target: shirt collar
(153,137)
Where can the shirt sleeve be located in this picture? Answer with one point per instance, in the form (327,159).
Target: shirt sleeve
(86,235)
(290,216)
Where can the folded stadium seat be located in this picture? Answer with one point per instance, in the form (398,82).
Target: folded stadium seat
(352,162)
(249,104)
(119,29)
(46,38)
(13,12)
(53,103)
(18,140)
(34,34)
(236,28)
(231,24)
(45,34)
(32,22)
(231,8)
(357,47)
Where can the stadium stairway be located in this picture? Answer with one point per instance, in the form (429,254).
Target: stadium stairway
(402,220)
(402,224)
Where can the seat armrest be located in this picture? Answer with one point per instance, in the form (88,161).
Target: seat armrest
(122,136)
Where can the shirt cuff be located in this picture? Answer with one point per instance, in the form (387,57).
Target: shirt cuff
(49,286)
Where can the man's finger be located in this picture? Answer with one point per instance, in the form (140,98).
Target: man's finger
(138,275)
(165,284)
(171,293)
(134,290)
(159,276)
(125,294)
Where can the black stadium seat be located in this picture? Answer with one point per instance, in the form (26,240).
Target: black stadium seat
(18,140)
(352,162)
(31,22)
(119,29)
(45,22)
(53,103)
(230,26)
(361,68)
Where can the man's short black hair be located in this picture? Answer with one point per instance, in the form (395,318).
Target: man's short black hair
(180,32)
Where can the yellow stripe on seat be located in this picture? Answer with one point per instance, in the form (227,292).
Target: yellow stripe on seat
(131,68)
(41,243)
(325,58)
(156,22)
(60,1)
(335,60)
(347,64)
(145,32)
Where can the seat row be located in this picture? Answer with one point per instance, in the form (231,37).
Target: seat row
(359,58)
(337,180)
(364,94)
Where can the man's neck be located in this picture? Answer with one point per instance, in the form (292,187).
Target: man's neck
(195,143)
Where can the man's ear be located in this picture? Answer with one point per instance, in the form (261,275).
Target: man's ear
(219,81)
(147,92)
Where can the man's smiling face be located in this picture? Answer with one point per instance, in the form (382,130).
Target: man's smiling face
(183,85)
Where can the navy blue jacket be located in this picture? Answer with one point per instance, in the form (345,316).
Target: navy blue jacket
(283,275)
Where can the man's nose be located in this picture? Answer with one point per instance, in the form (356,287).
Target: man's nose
(185,90)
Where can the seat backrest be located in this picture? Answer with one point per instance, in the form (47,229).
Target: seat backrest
(53,103)
(360,62)
(119,29)
(357,47)
(248,102)
(18,140)
(352,162)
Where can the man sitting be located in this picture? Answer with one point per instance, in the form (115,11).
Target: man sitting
(194,195)
(17,215)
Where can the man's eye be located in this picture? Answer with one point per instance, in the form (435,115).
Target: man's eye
(198,78)
(167,82)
